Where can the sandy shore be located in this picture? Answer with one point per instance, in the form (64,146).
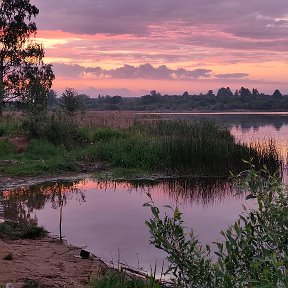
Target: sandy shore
(48,262)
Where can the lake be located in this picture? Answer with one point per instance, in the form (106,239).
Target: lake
(108,217)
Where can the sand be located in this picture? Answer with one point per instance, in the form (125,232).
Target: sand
(48,262)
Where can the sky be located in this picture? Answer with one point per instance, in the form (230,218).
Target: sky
(130,47)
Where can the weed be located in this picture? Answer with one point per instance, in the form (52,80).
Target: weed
(14,230)
(29,283)
(6,149)
(120,280)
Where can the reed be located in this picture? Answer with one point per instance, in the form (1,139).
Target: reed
(177,147)
(153,145)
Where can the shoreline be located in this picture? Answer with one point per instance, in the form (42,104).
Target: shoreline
(12,182)
(48,262)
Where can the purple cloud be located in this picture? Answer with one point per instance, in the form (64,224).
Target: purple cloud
(231,75)
(145,71)
(254,18)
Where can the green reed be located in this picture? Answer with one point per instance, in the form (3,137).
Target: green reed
(202,148)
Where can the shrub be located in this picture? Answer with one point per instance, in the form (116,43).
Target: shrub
(254,252)
(14,230)
(58,130)
(6,148)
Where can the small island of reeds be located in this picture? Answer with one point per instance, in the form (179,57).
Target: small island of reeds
(59,143)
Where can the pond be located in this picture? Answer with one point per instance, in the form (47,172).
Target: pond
(109,218)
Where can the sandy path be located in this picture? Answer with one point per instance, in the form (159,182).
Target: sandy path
(48,262)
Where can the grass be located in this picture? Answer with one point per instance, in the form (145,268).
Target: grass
(120,280)
(13,230)
(9,125)
(169,147)
(29,283)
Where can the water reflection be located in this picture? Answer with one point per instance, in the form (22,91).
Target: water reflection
(200,190)
(107,216)
(244,121)
(20,204)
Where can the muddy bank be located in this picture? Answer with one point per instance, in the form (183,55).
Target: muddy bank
(48,262)
(15,182)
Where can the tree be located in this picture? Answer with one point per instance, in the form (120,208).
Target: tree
(277,93)
(255,92)
(224,92)
(245,92)
(185,94)
(210,93)
(70,101)
(21,60)
(52,99)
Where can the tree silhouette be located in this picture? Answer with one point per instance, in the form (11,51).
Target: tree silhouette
(224,92)
(277,93)
(70,101)
(21,61)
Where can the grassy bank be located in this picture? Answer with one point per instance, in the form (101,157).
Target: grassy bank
(60,144)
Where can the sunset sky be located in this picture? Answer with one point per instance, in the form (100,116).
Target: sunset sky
(130,47)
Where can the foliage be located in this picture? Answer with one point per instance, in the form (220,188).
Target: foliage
(6,149)
(58,130)
(29,283)
(21,61)
(9,125)
(34,95)
(254,252)
(13,230)
(225,100)
(170,147)
(70,102)
(120,280)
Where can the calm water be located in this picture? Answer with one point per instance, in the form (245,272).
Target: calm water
(108,217)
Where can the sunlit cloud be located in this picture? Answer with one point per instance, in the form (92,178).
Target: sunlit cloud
(192,40)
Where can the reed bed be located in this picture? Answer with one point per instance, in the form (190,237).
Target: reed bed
(115,120)
(177,147)
(135,141)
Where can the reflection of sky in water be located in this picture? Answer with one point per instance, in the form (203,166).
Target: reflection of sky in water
(110,216)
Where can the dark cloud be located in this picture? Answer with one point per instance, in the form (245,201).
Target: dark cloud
(245,18)
(145,71)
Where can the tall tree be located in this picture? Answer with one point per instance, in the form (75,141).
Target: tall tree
(70,101)
(21,59)
(245,92)
(224,92)
(277,93)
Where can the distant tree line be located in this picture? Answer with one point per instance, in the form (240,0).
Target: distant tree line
(223,100)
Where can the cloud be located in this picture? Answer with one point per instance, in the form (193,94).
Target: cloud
(247,18)
(144,71)
(231,75)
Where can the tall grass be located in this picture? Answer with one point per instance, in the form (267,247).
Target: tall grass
(6,149)
(120,280)
(167,147)
(9,125)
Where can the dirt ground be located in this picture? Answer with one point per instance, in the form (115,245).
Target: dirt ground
(48,262)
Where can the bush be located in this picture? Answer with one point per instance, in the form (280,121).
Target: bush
(14,230)
(6,148)
(59,130)
(254,252)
